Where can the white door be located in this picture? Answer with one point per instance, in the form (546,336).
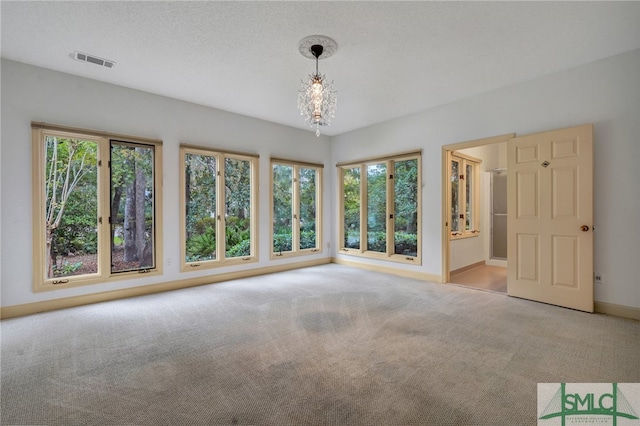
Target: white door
(550,217)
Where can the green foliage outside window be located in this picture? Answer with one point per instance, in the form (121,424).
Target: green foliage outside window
(203,212)
(374,179)
(286,178)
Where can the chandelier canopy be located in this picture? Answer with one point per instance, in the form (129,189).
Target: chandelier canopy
(316,97)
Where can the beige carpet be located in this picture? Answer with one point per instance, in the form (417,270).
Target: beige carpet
(323,345)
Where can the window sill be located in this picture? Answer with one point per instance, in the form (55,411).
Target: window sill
(288,254)
(93,279)
(463,236)
(396,258)
(212,264)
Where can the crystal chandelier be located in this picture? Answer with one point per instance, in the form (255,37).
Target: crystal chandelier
(316,97)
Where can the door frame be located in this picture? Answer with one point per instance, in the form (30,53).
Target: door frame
(446,192)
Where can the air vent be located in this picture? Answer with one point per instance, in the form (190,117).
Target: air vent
(83,57)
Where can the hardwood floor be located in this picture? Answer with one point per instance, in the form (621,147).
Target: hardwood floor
(484,277)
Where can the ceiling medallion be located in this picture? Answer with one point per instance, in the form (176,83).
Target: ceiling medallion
(316,97)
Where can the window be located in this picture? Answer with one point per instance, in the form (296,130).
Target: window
(218,191)
(465,195)
(380,208)
(296,208)
(95,206)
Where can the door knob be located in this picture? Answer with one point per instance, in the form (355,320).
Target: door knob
(584,228)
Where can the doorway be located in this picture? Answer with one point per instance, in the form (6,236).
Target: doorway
(550,215)
(490,273)
(475,256)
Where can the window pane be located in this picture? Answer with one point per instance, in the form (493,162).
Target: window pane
(200,198)
(351,185)
(455,180)
(469,191)
(282,207)
(405,181)
(377,207)
(132,207)
(71,207)
(237,181)
(308,205)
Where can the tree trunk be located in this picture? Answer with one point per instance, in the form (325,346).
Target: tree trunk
(129,234)
(140,186)
(50,256)
(115,206)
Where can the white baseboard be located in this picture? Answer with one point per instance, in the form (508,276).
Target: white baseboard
(466,268)
(617,310)
(496,262)
(388,270)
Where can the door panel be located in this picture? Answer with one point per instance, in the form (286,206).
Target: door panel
(564,192)
(564,260)
(550,197)
(527,194)
(528,257)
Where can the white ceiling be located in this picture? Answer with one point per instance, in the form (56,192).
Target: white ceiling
(393,58)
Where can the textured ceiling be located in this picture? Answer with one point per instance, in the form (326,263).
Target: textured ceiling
(393,58)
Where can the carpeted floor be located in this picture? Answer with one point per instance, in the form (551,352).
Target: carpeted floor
(321,345)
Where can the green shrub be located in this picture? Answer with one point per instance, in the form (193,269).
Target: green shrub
(376,241)
(236,236)
(202,246)
(243,248)
(203,225)
(406,244)
(281,242)
(307,239)
(66,268)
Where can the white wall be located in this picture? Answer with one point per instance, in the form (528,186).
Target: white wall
(605,93)
(35,94)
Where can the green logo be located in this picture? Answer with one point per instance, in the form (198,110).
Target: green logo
(588,401)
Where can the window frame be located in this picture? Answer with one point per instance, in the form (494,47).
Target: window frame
(295,208)
(104,140)
(465,160)
(389,254)
(221,259)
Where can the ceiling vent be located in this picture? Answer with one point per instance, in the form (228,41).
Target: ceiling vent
(84,57)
